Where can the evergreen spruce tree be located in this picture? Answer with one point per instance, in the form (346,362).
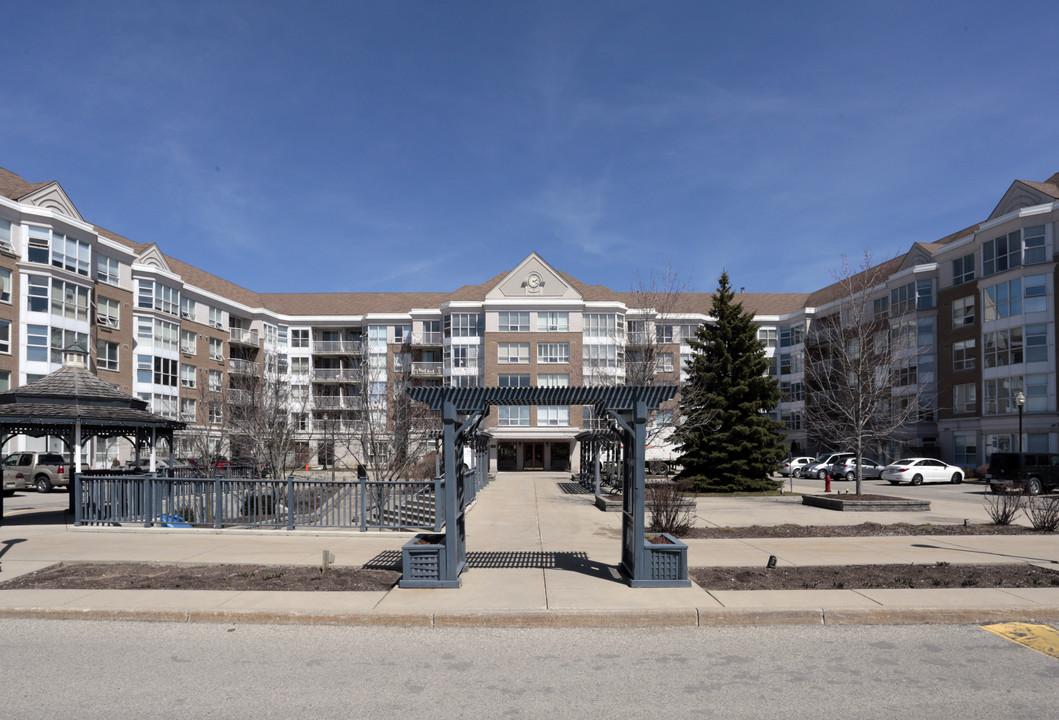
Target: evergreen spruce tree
(729,443)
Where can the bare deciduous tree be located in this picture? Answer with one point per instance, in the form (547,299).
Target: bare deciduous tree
(259,416)
(863,389)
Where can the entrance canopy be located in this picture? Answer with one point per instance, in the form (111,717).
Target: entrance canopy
(462,412)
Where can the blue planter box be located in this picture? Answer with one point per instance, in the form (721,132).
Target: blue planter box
(667,562)
(424,563)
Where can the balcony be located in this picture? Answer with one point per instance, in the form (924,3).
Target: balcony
(243,367)
(240,397)
(239,336)
(427,339)
(427,369)
(337,402)
(336,375)
(337,347)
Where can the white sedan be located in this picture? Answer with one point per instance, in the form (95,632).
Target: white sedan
(919,470)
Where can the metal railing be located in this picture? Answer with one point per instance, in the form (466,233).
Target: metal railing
(347,375)
(426,338)
(427,368)
(244,367)
(244,337)
(351,347)
(152,500)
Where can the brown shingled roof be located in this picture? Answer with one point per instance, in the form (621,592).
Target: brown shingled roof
(14,187)
(1048,187)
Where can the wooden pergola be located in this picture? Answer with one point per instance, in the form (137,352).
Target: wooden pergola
(74,405)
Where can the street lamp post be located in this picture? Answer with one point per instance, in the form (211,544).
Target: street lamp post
(1020,400)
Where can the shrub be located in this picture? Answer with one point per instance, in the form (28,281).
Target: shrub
(259,505)
(1003,508)
(671,510)
(1043,512)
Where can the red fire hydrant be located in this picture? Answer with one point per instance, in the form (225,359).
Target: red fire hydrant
(827,483)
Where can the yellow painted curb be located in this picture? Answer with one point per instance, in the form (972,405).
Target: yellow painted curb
(1041,638)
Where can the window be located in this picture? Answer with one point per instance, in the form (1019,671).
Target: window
(37,343)
(907,374)
(553,322)
(62,339)
(107,270)
(216,349)
(163,334)
(463,325)
(963,398)
(1003,300)
(599,356)
(1000,395)
(963,311)
(69,300)
(402,334)
(767,336)
(1036,343)
(38,293)
(793,335)
(902,299)
(188,409)
(216,318)
(513,322)
(143,368)
(464,381)
(601,325)
(187,308)
(964,450)
(1003,347)
(553,353)
(1037,393)
(924,294)
(189,342)
(553,416)
(688,332)
(963,269)
(107,355)
(61,251)
(299,338)
(5,285)
(216,413)
(553,380)
(187,376)
(924,332)
(1020,247)
(156,296)
(5,236)
(881,308)
(299,366)
(513,353)
(664,334)
(5,380)
(513,415)
(964,355)
(214,378)
(108,313)
(509,380)
(165,371)
(664,363)
(1035,293)
(464,356)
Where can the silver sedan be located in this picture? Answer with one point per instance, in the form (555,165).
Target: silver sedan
(916,471)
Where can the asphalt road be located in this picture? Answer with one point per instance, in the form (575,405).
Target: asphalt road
(130,670)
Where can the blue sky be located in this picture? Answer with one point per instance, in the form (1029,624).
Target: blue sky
(404,146)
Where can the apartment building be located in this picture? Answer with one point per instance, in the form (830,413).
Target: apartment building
(980,302)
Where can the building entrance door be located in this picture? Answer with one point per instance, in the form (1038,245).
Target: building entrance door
(533,456)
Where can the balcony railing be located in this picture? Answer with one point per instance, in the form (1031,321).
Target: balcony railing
(337,347)
(346,375)
(427,369)
(243,367)
(239,397)
(426,338)
(337,402)
(239,336)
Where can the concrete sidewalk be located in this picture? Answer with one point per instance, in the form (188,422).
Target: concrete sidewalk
(541,555)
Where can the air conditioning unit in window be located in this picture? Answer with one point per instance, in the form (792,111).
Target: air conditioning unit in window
(106,321)
(185,314)
(7,247)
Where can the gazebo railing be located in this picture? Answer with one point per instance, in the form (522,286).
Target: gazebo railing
(218,502)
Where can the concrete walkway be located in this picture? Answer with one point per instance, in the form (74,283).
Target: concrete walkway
(541,554)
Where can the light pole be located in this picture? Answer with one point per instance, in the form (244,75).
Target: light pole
(1020,400)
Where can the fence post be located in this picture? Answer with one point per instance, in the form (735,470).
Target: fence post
(146,500)
(78,506)
(290,501)
(438,477)
(218,502)
(362,479)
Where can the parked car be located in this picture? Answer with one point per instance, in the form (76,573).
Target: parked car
(13,478)
(1031,473)
(822,464)
(42,470)
(919,470)
(794,466)
(847,468)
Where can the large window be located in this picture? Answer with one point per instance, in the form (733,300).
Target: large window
(964,355)
(963,269)
(62,339)
(1000,395)
(1003,347)
(553,416)
(546,380)
(107,270)
(513,380)
(963,398)
(664,362)
(553,322)
(164,335)
(965,450)
(107,355)
(69,300)
(108,313)
(37,343)
(1036,340)
(553,353)
(299,338)
(514,322)
(767,336)
(1021,247)
(513,415)
(601,325)
(61,251)
(903,299)
(1003,300)
(513,353)
(464,356)
(38,292)
(463,325)
(156,296)
(597,356)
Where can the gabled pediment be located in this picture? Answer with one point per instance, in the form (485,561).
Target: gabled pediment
(533,278)
(52,197)
(153,257)
(918,255)
(1019,195)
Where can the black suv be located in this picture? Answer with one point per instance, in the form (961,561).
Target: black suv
(1032,473)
